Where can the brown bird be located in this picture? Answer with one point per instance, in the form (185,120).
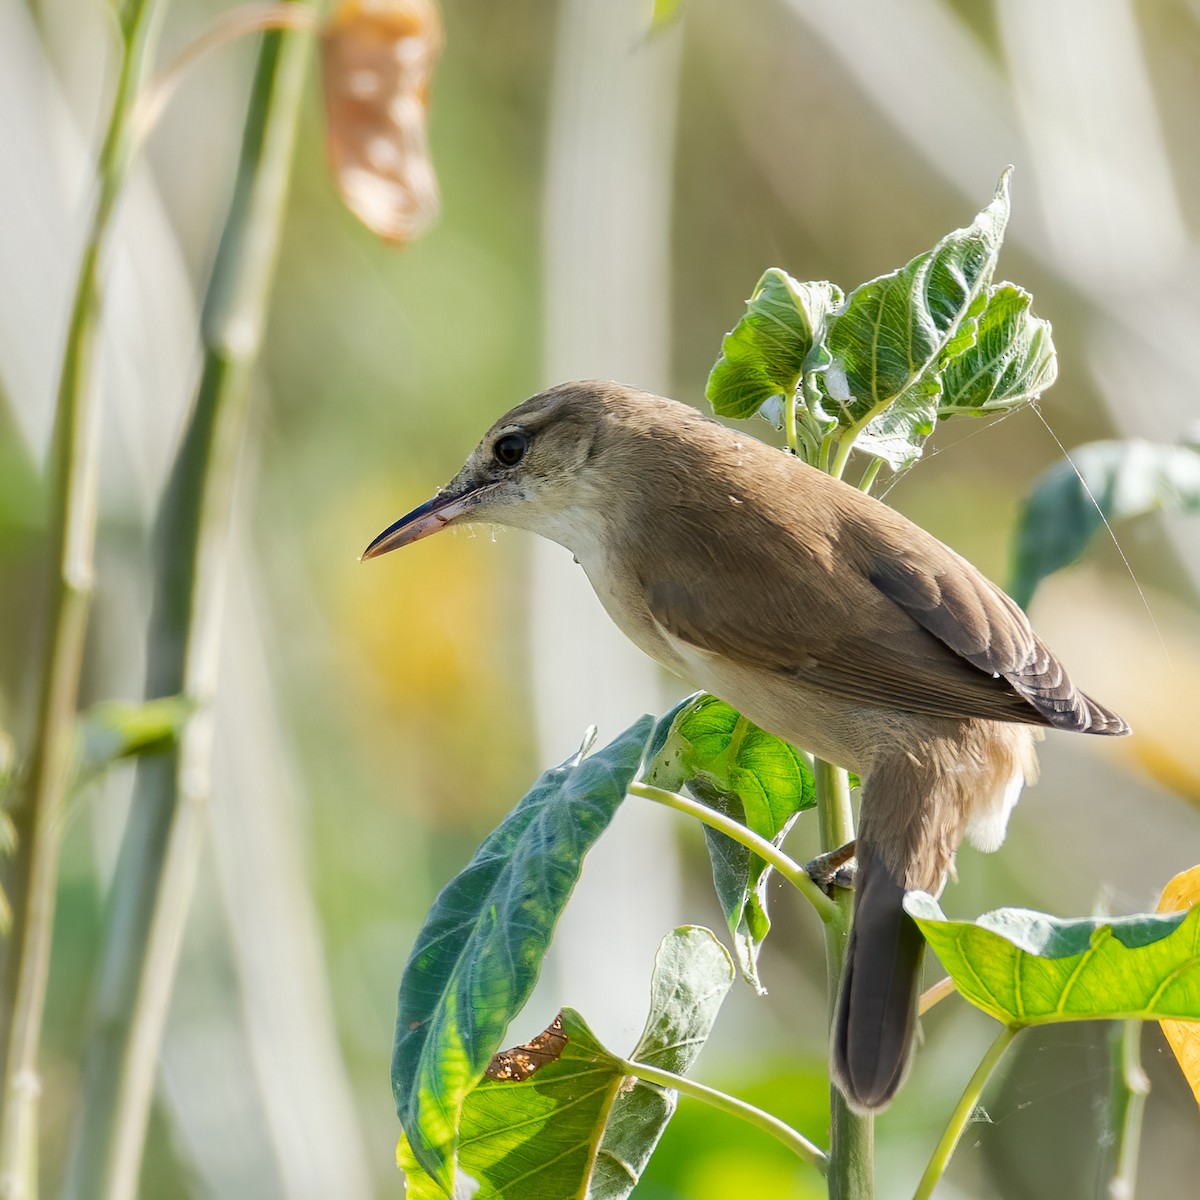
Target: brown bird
(820,614)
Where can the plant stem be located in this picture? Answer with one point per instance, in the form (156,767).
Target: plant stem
(789,422)
(852,1136)
(844,447)
(864,484)
(826,448)
(961,1117)
(164,835)
(795,874)
(228,27)
(791,1138)
(36,814)
(935,994)
(1130,1089)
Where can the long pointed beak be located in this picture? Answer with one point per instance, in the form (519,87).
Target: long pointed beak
(421,522)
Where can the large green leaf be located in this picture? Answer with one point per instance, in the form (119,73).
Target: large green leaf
(764,354)
(1101,481)
(479,953)
(892,335)
(1026,968)
(1010,361)
(741,770)
(561,1117)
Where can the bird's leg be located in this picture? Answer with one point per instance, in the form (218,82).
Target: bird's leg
(834,869)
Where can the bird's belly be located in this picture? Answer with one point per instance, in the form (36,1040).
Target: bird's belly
(831,728)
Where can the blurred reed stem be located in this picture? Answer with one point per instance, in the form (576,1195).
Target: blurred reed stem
(156,869)
(38,807)
(1130,1087)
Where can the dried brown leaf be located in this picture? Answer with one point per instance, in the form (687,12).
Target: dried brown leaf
(377,59)
(519,1063)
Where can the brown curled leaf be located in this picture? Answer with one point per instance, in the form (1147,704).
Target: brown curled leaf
(519,1063)
(377,59)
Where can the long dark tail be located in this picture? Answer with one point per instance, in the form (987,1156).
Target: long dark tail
(876,1015)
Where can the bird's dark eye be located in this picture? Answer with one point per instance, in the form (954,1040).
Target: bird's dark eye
(510,449)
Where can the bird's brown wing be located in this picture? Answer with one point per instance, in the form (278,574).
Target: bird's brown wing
(946,596)
(914,633)
(906,669)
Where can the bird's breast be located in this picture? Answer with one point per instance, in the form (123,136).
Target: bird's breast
(805,716)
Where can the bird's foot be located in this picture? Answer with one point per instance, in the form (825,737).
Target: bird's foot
(835,869)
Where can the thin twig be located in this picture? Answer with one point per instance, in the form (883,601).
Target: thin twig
(228,27)
(935,995)
(964,1110)
(791,1138)
(33,879)
(791,870)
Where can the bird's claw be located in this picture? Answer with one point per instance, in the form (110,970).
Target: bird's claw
(835,869)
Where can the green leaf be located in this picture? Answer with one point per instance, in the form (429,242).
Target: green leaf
(692,977)
(1009,362)
(662,731)
(741,770)
(1101,481)
(8,761)
(574,1126)
(887,342)
(8,831)
(664,13)
(480,951)
(765,352)
(1026,968)
(111,730)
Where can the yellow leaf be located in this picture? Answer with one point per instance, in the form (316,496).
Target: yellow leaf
(377,59)
(1184,1036)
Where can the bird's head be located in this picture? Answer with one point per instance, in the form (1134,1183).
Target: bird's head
(539,468)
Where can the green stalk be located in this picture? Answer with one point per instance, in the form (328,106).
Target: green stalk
(844,446)
(36,812)
(868,479)
(852,1136)
(156,870)
(791,1138)
(961,1117)
(789,423)
(795,874)
(1130,1089)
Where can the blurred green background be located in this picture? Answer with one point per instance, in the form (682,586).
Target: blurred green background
(609,200)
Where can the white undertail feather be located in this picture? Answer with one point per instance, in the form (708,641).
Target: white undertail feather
(988,822)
